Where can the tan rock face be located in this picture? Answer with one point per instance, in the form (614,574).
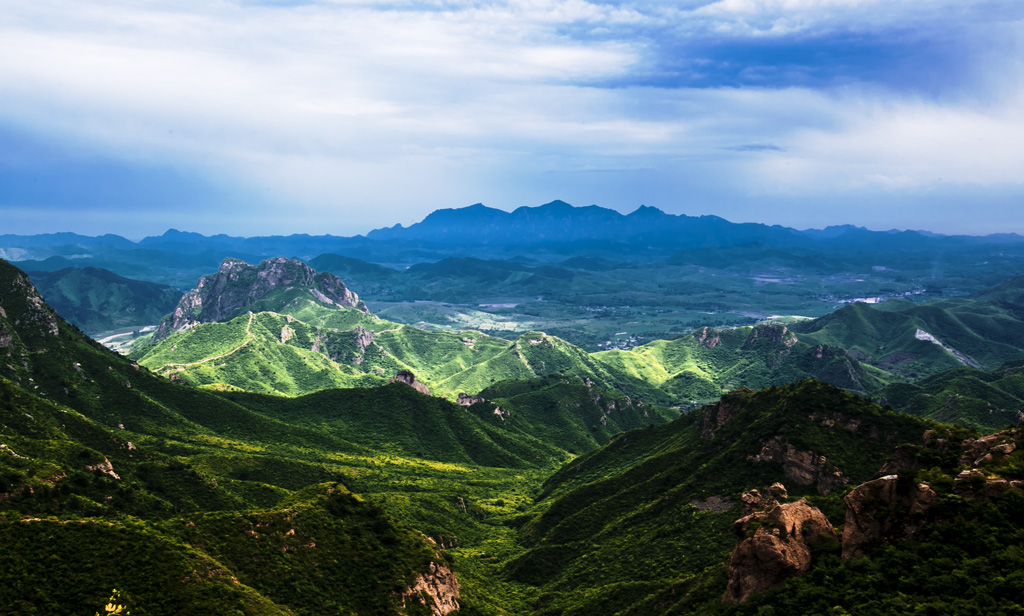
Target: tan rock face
(989,448)
(707,338)
(972,483)
(104,467)
(437,589)
(774,546)
(881,509)
(803,467)
(404,376)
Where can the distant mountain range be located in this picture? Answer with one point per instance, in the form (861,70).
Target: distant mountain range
(556,226)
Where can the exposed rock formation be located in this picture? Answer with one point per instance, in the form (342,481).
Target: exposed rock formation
(364,337)
(465,399)
(972,483)
(804,467)
(755,501)
(991,448)
(104,467)
(34,313)
(404,376)
(437,589)
(707,337)
(763,334)
(237,285)
(884,508)
(774,545)
(715,417)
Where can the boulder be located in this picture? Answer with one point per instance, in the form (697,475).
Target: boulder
(774,545)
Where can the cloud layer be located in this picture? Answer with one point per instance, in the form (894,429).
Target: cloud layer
(341,116)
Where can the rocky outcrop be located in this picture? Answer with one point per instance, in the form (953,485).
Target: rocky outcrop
(770,334)
(774,545)
(24,307)
(991,448)
(407,377)
(237,285)
(364,337)
(465,399)
(715,416)
(437,589)
(104,467)
(973,483)
(803,467)
(707,338)
(884,508)
(753,500)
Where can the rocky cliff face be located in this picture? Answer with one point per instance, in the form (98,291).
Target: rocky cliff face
(21,303)
(884,508)
(437,589)
(774,545)
(715,416)
(888,508)
(404,376)
(237,285)
(803,467)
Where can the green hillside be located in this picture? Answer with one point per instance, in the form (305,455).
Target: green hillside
(645,525)
(915,341)
(97,300)
(965,396)
(575,415)
(656,505)
(346,500)
(306,347)
(239,487)
(189,501)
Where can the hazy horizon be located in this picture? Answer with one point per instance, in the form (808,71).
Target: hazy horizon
(280,117)
(138,238)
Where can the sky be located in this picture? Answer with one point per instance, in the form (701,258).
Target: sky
(340,116)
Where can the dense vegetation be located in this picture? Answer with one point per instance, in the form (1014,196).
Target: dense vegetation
(217,500)
(97,300)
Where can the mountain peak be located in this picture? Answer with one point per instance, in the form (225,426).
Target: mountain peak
(237,285)
(646,211)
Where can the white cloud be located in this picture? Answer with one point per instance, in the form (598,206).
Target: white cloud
(444,103)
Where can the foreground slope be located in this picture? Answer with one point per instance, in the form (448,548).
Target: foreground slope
(644,525)
(183,500)
(656,505)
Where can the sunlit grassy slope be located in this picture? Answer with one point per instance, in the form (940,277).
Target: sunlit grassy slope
(312,348)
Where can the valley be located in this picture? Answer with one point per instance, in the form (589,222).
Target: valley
(459,429)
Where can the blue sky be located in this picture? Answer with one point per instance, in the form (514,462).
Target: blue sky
(341,116)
